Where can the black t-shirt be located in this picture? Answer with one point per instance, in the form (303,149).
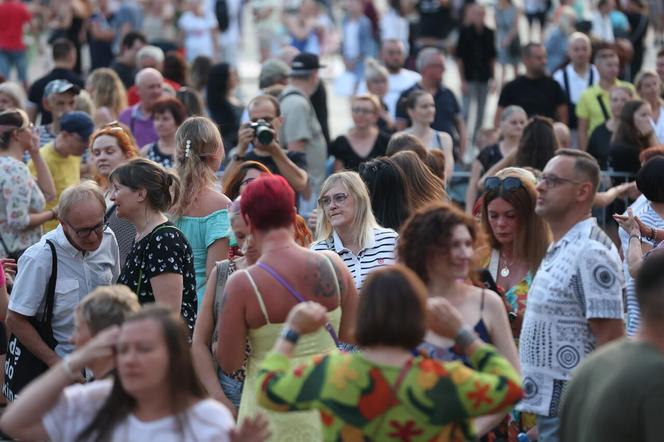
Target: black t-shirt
(299,158)
(447,110)
(476,49)
(624,158)
(343,151)
(599,145)
(125,72)
(436,20)
(36,91)
(164,250)
(539,96)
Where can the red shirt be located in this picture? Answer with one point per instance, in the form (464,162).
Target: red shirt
(13,16)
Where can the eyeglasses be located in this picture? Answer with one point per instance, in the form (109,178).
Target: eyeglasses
(506,184)
(362,111)
(338,198)
(551,181)
(85,232)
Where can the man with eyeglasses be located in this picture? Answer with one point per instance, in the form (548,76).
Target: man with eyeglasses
(87,257)
(265,118)
(575,303)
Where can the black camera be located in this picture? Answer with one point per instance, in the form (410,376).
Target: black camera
(262,131)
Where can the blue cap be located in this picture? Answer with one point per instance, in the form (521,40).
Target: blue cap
(78,122)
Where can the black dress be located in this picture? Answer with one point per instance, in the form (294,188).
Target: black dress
(599,145)
(164,250)
(343,151)
(489,156)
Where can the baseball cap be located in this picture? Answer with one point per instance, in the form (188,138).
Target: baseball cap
(78,122)
(59,86)
(272,71)
(305,61)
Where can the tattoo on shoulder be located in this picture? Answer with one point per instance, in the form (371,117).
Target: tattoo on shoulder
(324,282)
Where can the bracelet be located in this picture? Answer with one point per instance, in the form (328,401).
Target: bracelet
(290,335)
(652,234)
(70,373)
(465,337)
(631,237)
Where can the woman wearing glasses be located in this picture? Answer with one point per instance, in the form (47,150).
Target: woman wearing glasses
(22,197)
(364,140)
(439,243)
(112,146)
(518,237)
(348,227)
(160,266)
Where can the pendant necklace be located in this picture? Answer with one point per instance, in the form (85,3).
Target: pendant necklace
(505,271)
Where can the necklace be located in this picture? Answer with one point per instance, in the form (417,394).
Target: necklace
(505,271)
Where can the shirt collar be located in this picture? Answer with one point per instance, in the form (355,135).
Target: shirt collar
(64,243)
(136,112)
(339,246)
(574,231)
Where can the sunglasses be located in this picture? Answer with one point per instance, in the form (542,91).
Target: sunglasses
(508,184)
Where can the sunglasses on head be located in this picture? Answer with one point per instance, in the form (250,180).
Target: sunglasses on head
(506,184)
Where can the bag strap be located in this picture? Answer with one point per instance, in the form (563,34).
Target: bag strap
(394,392)
(297,295)
(222,277)
(50,287)
(603,107)
(566,81)
(140,271)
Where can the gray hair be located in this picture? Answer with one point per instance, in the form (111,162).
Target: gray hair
(510,110)
(83,191)
(424,57)
(374,70)
(107,306)
(150,51)
(147,71)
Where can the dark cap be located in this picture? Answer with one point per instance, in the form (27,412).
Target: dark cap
(60,86)
(78,122)
(305,62)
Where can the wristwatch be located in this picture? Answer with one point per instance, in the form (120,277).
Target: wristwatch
(238,157)
(290,335)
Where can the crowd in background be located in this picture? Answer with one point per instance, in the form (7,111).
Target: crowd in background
(179,260)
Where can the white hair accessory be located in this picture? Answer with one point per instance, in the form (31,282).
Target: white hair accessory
(187,148)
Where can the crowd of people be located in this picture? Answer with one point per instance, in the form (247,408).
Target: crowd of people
(179,262)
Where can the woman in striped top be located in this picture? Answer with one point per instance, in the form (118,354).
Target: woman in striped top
(348,227)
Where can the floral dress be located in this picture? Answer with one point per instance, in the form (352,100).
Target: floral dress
(164,250)
(19,196)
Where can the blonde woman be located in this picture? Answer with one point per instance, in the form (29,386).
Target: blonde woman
(12,96)
(347,226)
(377,77)
(108,94)
(201,215)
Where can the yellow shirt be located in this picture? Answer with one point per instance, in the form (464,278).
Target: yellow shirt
(589,108)
(65,172)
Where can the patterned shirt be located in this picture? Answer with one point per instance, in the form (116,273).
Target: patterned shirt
(580,278)
(19,196)
(423,401)
(164,250)
(378,253)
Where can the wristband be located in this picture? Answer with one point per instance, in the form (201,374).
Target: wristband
(464,338)
(290,335)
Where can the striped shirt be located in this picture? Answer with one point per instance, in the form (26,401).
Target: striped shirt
(381,251)
(645,212)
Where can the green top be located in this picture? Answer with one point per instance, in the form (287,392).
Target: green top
(202,232)
(355,397)
(616,395)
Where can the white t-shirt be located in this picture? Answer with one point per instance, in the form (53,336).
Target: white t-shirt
(207,421)
(658,126)
(198,34)
(577,84)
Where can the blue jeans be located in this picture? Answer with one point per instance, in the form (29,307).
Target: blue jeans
(548,429)
(14,58)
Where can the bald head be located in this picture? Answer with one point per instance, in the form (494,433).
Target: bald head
(150,87)
(579,49)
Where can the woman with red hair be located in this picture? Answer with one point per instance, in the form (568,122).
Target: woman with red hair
(112,146)
(259,298)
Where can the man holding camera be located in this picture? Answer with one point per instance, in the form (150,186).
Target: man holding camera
(261,132)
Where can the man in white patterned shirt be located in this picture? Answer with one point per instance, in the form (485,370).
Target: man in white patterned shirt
(575,301)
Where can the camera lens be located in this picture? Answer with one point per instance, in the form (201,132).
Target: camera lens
(264,135)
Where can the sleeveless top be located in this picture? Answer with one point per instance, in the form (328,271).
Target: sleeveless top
(430,347)
(300,426)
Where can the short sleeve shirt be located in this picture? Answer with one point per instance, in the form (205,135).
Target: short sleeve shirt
(77,405)
(164,250)
(589,107)
(580,278)
(537,96)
